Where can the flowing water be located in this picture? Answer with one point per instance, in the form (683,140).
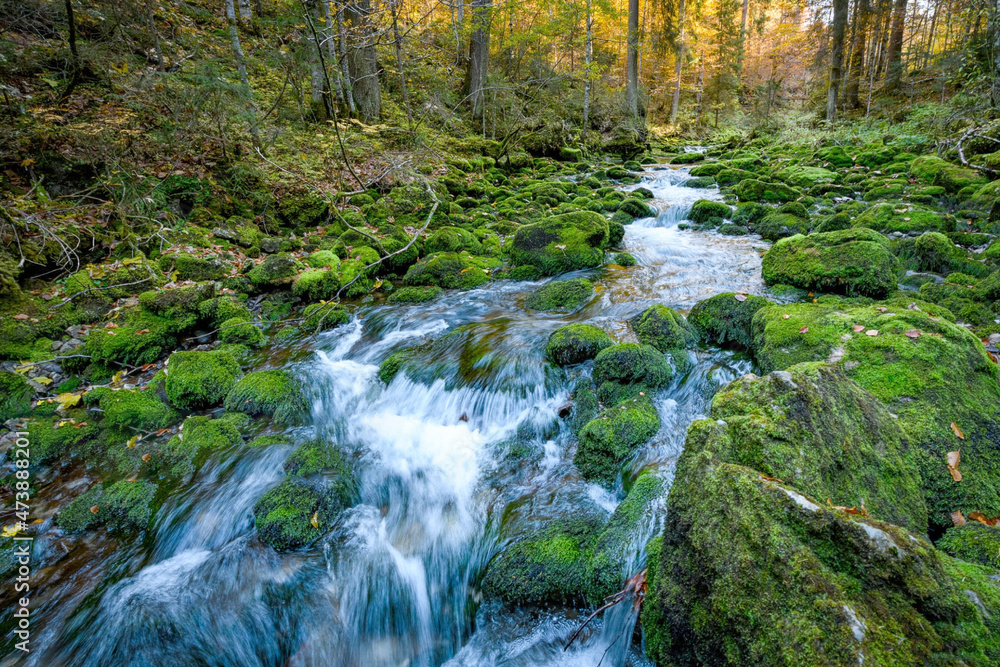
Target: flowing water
(441,489)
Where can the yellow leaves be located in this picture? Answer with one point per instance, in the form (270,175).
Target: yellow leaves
(42,380)
(954,458)
(957,431)
(133,441)
(12,530)
(983,519)
(315,520)
(67,400)
(117,377)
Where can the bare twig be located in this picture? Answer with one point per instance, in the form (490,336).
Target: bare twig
(634,588)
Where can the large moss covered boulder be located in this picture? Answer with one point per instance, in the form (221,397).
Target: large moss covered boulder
(275,393)
(15,395)
(857,262)
(663,328)
(903,217)
(752,189)
(450,270)
(296,513)
(817,430)
(575,343)
(806,177)
(561,243)
(725,319)
(567,295)
(124,507)
(197,380)
(752,571)
(935,376)
(453,239)
(952,177)
(611,438)
(704,210)
(973,542)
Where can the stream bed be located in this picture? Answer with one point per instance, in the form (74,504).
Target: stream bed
(396,583)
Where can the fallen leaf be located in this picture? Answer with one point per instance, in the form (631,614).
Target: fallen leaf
(163,430)
(882,309)
(912,333)
(771,479)
(785,316)
(41,379)
(145,457)
(859,327)
(94,509)
(21,316)
(871,332)
(740,297)
(141,331)
(132,442)
(80,425)
(957,519)
(957,431)
(67,400)
(954,458)
(982,518)
(804,330)
(315,520)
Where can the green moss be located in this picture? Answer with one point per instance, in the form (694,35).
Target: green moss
(725,319)
(15,395)
(176,303)
(805,177)
(453,239)
(703,210)
(323,259)
(223,308)
(936,171)
(561,243)
(52,437)
(284,515)
(607,441)
(936,253)
(323,316)
(124,507)
(635,208)
(575,343)
(566,295)
(198,380)
(240,331)
(389,369)
(274,271)
(973,543)
(754,572)
(854,262)
(624,259)
(189,267)
(750,213)
(448,270)
(751,189)
(663,328)
(315,457)
(198,437)
(275,393)
(415,294)
(128,411)
(903,217)
(628,368)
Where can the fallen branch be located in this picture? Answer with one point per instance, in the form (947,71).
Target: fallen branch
(634,588)
(961,154)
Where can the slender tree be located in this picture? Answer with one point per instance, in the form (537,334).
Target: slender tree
(398,41)
(894,50)
(362,60)
(632,60)
(345,70)
(241,68)
(588,58)
(675,101)
(76,71)
(838,29)
(857,56)
(479,55)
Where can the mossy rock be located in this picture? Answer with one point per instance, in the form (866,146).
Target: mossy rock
(323,259)
(317,284)
(750,213)
(701,182)
(624,259)
(198,438)
(832,223)
(141,338)
(275,393)
(53,437)
(730,176)
(15,395)
(835,155)
(223,308)
(776,226)
(905,218)
(124,507)
(752,189)
(449,270)
(176,303)
(818,431)
(663,328)
(951,177)
(575,343)
(849,586)
(725,319)
(415,294)
(240,331)
(560,243)
(925,369)
(198,380)
(563,295)
(936,253)
(294,513)
(704,210)
(636,208)
(973,542)
(323,316)
(805,177)
(708,169)
(627,369)
(190,267)
(389,369)
(611,438)
(274,271)
(453,239)
(856,262)
(131,411)
(316,457)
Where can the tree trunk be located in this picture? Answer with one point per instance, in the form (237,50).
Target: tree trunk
(588,55)
(398,39)
(75,73)
(857,54)
(678,65)
(345,70)
(245,13)
(315,67)
(331,50)
(479,55)
(894,65)
(632,60)
(743,37)
(461,54)
(836,58)
(151,25)
(241,67)
(362,60)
